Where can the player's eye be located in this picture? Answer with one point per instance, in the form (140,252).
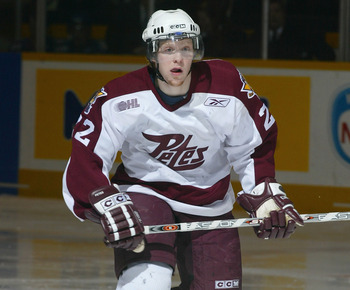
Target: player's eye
(167,50)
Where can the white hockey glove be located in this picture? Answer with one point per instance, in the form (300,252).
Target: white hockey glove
(269,202)
(120,220)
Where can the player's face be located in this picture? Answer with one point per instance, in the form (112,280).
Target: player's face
(175,60)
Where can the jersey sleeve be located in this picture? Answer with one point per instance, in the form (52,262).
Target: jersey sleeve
(94,149)
(252,142)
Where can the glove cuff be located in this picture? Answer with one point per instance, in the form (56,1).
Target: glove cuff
(107,198)
(269,189)
(266,197)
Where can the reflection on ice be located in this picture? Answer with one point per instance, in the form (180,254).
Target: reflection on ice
(43,246)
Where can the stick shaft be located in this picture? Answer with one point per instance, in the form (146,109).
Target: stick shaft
(239,223)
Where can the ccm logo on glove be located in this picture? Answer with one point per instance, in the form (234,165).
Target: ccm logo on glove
(109,198)
(110,203)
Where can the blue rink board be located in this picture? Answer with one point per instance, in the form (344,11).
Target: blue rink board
(10,82)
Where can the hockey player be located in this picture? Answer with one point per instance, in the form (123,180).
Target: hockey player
(181,124)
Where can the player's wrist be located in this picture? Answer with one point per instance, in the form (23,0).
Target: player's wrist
(266,196)
(92,215)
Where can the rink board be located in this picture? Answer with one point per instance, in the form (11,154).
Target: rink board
(10,66)
(309,100)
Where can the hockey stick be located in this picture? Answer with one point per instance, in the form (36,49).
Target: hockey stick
(239,223)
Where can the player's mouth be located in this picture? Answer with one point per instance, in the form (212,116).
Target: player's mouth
(176,70)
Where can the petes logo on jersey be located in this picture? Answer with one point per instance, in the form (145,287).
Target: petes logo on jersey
(92,101)
(174,151)
(216,102)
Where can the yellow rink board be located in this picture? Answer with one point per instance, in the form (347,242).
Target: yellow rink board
(50,106)
(289,107)
(289,100)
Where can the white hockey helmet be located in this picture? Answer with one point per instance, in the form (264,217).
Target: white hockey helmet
(174,25)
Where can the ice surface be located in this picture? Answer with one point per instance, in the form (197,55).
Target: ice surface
(43,246)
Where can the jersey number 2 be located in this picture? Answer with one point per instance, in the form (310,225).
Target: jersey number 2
(80,136)
(269,119)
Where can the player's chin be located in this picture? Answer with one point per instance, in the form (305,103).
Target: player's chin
(175,82)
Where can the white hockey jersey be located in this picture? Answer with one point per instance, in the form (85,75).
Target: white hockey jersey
(181,153)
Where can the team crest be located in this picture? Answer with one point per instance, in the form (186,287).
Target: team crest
(246,88)
(92,101)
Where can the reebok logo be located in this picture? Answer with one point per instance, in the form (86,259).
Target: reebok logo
(227,284)
(216,102)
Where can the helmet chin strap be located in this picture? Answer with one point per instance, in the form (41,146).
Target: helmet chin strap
(159,75)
